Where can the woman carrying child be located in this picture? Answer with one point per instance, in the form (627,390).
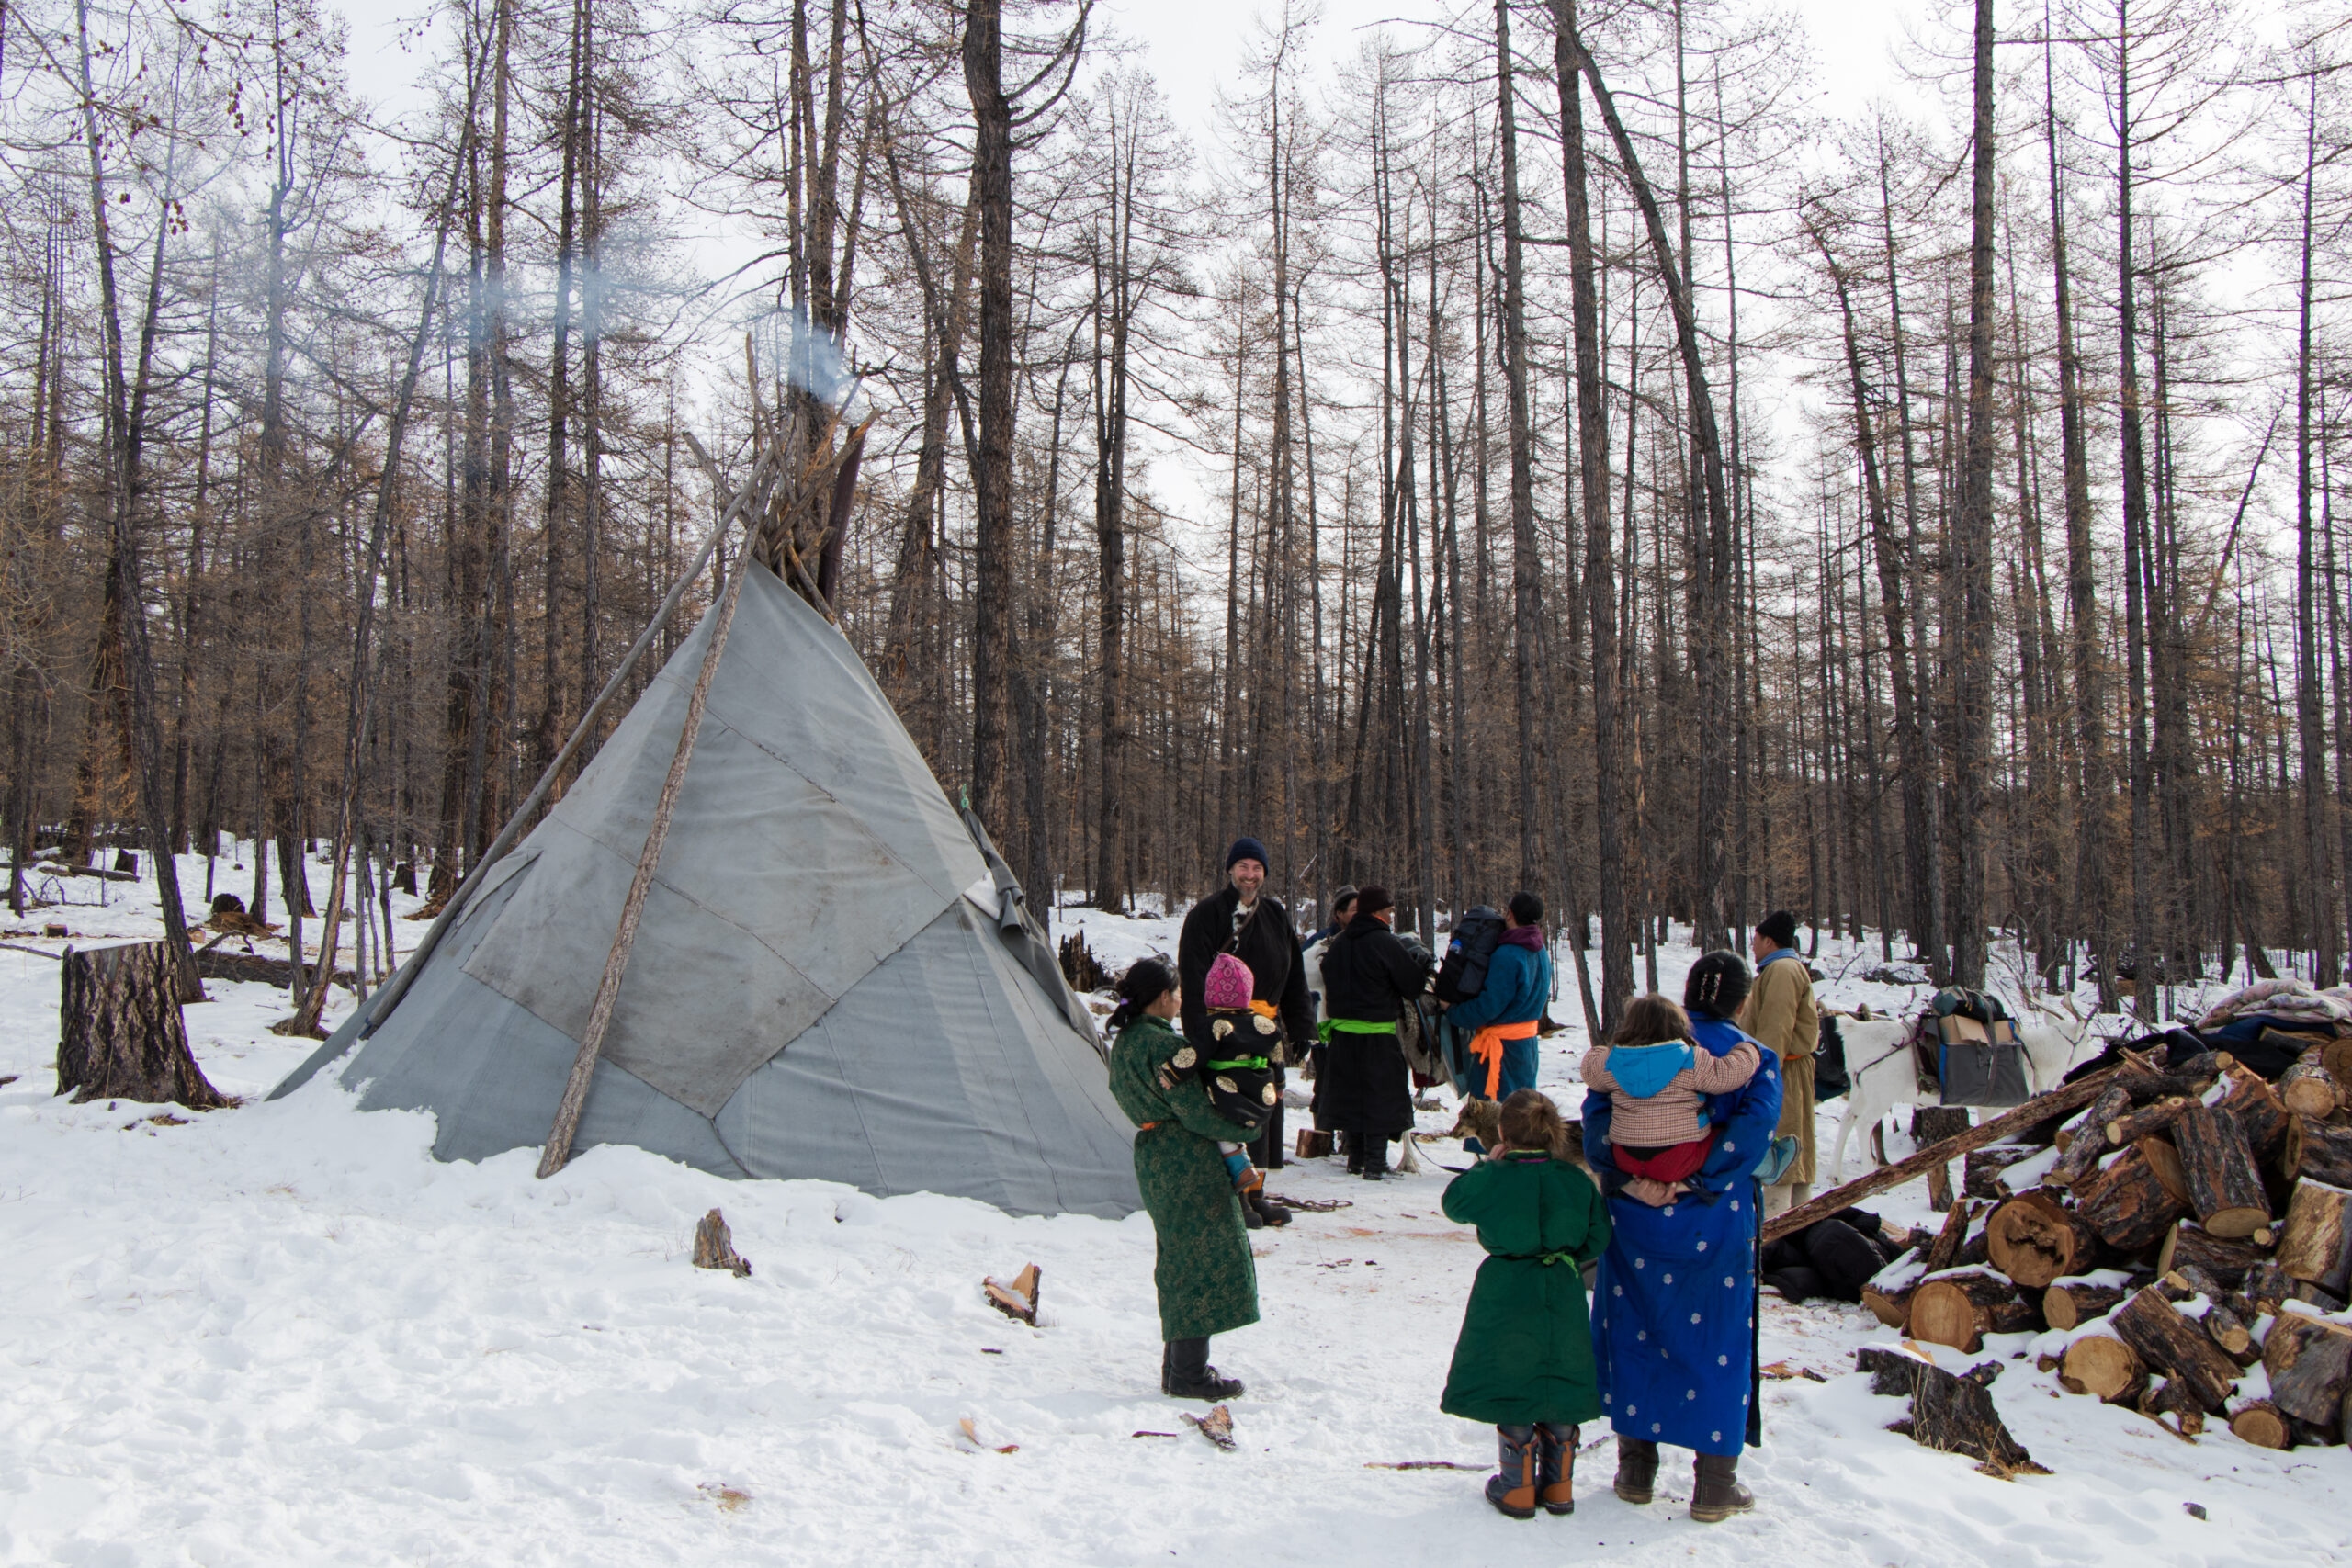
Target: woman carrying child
(1206,1280)
(1673,1321)
(1523,1360)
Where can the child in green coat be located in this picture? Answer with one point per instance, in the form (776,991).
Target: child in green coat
(1523,1360)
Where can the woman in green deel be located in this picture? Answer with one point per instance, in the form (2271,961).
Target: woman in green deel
(1206,1278)
(1523,1360)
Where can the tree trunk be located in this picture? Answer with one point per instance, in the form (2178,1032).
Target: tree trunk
(1973,696)
(993,470)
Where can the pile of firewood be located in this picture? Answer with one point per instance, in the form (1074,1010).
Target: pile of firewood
(2189,1235)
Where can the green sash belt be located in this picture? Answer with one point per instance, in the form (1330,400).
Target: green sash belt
(1360,1026)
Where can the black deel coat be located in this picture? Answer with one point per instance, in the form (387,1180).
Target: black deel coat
(1368,976)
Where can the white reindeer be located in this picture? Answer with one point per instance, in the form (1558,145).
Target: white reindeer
(1878,1061)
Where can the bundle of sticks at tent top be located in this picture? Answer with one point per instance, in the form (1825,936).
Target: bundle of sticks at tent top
(2185,1225)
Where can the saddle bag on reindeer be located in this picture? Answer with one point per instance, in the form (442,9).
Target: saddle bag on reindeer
(1978,1057)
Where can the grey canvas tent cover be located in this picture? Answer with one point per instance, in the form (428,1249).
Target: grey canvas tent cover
(835,976)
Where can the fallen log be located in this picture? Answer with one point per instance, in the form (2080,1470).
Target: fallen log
(2041,1108)
(2315,1240)
(2224,1184)
(2171,1344)
(1950,1413)
(2165,1160)
(1981,1172)
(2149,1119)
(2309,1360)
(2070,1303)
(214,964)
(1960,1308)
(2034,1239)
(2259,1112)
(2086,1145)
(1944,1251)
(2127,1203)
(2177,1398)
(2261,1423)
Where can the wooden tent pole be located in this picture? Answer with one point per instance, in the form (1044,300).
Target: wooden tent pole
(390,996)
(609,987)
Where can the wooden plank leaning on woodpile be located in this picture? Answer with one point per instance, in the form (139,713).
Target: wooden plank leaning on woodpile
(2041,1108)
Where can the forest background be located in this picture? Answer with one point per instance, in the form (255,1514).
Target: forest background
(1551,444)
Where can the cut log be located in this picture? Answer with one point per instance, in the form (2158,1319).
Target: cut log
(2170,1344)
(2306,1088)
(2034,1239)
(1017,1299)
(2127,1203)
(1981,1172)
(715,1247)
(1945,1249)
(1950,1413)
(212,964)
(2103,1366)
(1890,1302)
(2309,1360)
(2084,1149)
(2316,1150)
(2176,1398)
(2267,1285)
(1960,1308)
(2147,1120)
(2228,1261)
(2224,1184)
(2165,1160)
(121,1033)
(2261,1423)
(2315,1242)
(2041,1107)
(2259,1112)
(2227,1329)
(2070,1303)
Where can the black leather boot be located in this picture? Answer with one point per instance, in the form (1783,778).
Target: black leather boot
(1376,1157)
(1556,1467)
(1354,1142)
(1716,1494)
(1637,1469)
(1512,1488)
(1266,1209)
(1190,1376)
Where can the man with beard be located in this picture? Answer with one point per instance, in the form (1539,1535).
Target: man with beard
(1244,919)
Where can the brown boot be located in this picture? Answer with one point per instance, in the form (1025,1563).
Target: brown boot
(1716,1494)
(1512,1488)
(1556,1467)
(1637,1469)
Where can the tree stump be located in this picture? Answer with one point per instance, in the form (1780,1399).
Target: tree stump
(1950,1413)
(2103,1366)
(2315,1242)
(715,1247)
(2127,1203)
(2171,1344)
(1079,966)
(2310,1363)
(404,878)
(2034,1239)
(121,1033)
(2225,1190)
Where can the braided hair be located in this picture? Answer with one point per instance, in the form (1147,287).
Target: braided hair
(1146,981)
(1717,984)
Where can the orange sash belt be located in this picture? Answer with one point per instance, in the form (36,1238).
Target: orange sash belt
(1488,1046)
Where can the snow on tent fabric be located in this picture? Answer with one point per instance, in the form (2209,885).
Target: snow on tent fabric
(834,978)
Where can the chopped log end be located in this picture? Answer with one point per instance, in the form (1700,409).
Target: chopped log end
(714,1246)
(1891,1308)
(2104,1367)
(2259,1422)
(2034,1239)
(2243,1222)
(2067,1307)
(1958,1310)
(1017,1298)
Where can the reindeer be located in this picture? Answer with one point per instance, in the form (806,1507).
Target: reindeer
(1878,1061)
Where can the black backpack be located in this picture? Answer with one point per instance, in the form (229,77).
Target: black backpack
(1462,974)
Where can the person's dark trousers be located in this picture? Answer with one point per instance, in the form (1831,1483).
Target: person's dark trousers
(1376,1155)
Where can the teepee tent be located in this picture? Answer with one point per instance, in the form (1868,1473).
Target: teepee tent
(834,975)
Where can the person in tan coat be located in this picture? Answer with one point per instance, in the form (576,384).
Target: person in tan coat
(1780,1013)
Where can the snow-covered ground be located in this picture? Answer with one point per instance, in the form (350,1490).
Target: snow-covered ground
(283,1334)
